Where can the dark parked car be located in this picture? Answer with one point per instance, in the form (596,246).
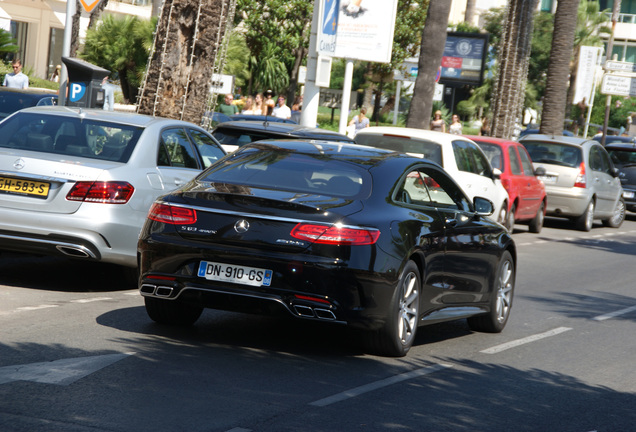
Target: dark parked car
(12,100)
(235,134)
(261,118)
(525,132)
(377,240)
(623,154)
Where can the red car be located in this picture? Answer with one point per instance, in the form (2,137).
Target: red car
(527,202)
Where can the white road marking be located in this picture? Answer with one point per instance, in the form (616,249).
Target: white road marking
(614,314)
(31,308)
(91,300)
(61,372)
(518,342)
(379,384)
(239,429)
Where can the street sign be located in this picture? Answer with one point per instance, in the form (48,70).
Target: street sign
(89,5)
(618,85)
(618,66)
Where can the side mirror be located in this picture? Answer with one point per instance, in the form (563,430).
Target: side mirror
(615,172)
(539,171)
(483,206)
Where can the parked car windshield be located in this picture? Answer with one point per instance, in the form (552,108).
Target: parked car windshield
(416,147)
(622,158)
(271,169)
(554,153)
(494,154)
(69,136)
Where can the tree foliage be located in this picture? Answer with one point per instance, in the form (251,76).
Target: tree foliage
(275,27)
(122,46)
(8,44)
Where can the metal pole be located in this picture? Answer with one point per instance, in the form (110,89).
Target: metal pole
(66,49)
(311,96)
(608,55)
(346,97)
(396,109)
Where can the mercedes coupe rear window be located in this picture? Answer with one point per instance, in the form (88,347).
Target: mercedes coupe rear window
(271,169)
(69,136)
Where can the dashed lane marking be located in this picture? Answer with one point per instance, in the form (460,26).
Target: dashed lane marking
(614,314)
(90,300)
(523,341)
(32,308)
(348,394)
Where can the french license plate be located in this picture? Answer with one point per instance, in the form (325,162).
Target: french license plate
(628,194)
(24,187)
(547,178)
(235,274)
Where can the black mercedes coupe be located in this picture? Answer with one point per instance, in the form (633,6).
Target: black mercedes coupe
(379,241)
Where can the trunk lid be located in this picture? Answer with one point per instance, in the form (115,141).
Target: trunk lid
(41,181)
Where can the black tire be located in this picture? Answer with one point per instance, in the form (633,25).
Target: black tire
(618,217)
(501,299)
(510,219)
(171,312)
(536,224)
(586,220)
(396,337)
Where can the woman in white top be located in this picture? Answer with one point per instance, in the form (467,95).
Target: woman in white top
(359,122)
(249,106)
(456,126)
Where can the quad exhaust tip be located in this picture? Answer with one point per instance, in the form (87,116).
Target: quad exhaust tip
(309,312)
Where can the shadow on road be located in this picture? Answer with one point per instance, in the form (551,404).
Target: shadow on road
(60,274)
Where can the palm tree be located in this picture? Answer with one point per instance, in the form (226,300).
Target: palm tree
(120,45)
(7,42)
(189,40)
(431,50)
(514,53)
(554,102)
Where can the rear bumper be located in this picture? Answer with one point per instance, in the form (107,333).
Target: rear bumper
(307,287)
(569,202)
(97,232)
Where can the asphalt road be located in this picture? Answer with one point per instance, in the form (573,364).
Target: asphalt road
(78,353)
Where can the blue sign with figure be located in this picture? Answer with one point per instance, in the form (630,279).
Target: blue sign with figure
(77,92)
(330,17)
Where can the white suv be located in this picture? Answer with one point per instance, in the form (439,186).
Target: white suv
(459,156)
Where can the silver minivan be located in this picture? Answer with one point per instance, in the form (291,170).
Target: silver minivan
(580,180)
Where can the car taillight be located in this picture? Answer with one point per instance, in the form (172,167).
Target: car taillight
(335,235)
(172,215)
(104,192)
(580,178)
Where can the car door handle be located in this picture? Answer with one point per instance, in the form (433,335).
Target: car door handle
(451,222)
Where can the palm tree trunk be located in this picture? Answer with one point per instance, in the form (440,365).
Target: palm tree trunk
(431,50)
(559,67)
(514,53)
(187,42)
(470,11)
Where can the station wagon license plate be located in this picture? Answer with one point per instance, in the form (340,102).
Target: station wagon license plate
(24,187)
(548,178)
(628,194)
(235,274)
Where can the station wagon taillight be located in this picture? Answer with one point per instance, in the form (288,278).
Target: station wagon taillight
(335,235)
(580,177)
(172,215)
(104,192)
